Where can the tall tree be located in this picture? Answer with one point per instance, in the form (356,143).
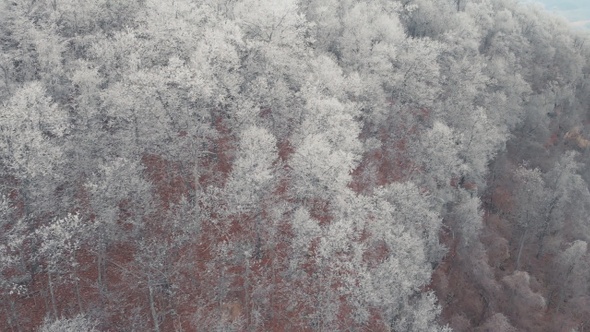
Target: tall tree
(59,242)
(531,196)
(32,131)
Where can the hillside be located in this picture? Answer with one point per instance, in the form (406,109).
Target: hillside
(293,165)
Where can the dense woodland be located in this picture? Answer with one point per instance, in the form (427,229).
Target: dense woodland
(293,165)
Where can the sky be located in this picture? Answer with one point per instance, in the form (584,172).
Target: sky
(577,11)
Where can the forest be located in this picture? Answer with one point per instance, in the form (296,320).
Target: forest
(293,165)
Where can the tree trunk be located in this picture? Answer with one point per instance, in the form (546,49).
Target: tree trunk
(99,265)
(274,280)
(153,308)
(247,294)
(15,316)
(545,228)
(9,315)
(52,295)
(562,285)
(136,128)
(186,176)
(6,79)
(541,242)
(521,244)
(78,297)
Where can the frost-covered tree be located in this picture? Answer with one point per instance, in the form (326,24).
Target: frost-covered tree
(32,129)
(571,264)
(437,157)
(531,196)
(262,165)
(252,171)
(59,242)
(15,276)
(119,195)
(567,198)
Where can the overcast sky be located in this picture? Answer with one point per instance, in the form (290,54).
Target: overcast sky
(577,11)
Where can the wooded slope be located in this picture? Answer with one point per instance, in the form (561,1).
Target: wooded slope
(284,165)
